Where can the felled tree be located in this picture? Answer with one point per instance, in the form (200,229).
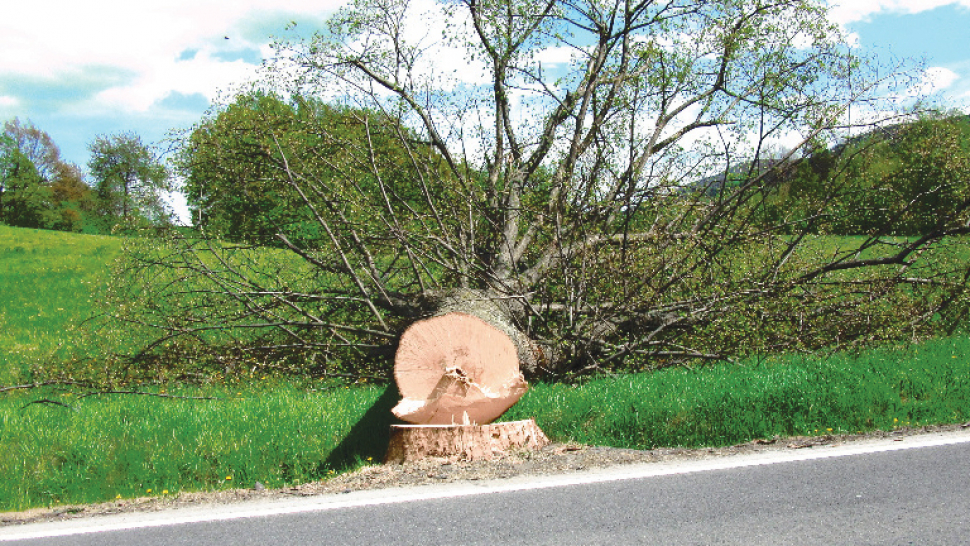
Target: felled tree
(549,184)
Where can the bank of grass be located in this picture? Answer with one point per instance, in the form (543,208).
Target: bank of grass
(58,448)
(281,432)
(64,450)
(725,404)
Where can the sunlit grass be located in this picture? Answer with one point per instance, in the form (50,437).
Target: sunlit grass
(726,404)
(58,448)
(47,287)
(121,446)
(285,432)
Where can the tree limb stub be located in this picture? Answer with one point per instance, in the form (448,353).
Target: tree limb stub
(456,368)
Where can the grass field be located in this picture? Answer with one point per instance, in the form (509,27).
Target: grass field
(69,450)
(46,282)
(58,446)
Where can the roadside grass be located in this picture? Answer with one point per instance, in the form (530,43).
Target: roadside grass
(59,447)
(46,280)
(281,432)
(112,446)
(725,404)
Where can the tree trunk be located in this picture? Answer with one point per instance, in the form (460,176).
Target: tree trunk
(456,369)
(498,311)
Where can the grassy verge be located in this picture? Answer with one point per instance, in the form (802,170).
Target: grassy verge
(58,448)
(783,396)
(119,446)
(280,433)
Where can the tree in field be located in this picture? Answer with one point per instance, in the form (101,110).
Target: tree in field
(129,179)
(23,197)
(36,145)
(235,179)
(546,182)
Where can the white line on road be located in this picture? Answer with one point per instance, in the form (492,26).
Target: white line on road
(262,508)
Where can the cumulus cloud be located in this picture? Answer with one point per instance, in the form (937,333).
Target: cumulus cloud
(938,78)
(848,11)
(556,55)
(933,80)
(146,39)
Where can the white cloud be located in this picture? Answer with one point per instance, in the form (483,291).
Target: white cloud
(556,55)
(938,78)
(202,74)
(933,80)
(848,11)
(145,38)
(7,101)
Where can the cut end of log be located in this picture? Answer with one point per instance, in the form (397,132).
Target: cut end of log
(456,369)
(410,443)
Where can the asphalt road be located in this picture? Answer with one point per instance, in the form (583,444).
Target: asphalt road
(889,496)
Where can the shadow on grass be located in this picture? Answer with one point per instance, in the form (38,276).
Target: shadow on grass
(369,437)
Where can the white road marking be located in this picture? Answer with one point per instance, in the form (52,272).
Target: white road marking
(262,508)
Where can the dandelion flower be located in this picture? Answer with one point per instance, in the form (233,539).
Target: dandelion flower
(149,491)
(228,478)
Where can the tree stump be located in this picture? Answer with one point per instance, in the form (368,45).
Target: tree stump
(456,369)
(457,373)
(462,442)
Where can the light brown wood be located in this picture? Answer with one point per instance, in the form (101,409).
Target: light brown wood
(456,369)
(462,442)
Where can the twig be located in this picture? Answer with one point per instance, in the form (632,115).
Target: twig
(51,402)
(158,395)
(41,384)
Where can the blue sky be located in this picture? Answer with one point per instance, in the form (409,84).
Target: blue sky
(82,69)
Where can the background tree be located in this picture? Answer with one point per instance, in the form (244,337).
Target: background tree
(234,164)
(129,180)
(36,145)
(42,190)
(23,197)
(554,198)
(75,203)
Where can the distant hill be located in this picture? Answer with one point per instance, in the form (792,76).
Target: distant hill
(746,169)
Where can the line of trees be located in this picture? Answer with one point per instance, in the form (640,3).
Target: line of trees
(39,189)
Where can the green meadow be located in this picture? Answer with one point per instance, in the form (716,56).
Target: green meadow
(48,282)
(64,445)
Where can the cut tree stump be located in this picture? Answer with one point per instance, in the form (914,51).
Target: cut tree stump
(462,442)
(456,369)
